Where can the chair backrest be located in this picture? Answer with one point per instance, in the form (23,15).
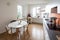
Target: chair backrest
(12,21)
(23,22)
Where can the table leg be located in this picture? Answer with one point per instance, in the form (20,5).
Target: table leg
(11,30)
(24,31)
(11,33)
(17,32)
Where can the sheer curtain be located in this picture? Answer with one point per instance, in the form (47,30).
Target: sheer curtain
(35,12)
(19,11)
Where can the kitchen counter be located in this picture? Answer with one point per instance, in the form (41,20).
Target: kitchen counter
(49,33)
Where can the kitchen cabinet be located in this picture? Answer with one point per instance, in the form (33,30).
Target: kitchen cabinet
(49,33)
(54,10)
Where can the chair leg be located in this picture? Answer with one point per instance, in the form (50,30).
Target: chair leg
(18,34)
(27,33)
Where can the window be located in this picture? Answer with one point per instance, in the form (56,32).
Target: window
(35,12)
(19,10)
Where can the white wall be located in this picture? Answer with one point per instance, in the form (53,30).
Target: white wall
(8,12)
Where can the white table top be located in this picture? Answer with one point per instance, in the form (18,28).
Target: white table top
(17,24)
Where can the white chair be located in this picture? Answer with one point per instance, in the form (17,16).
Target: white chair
(10,30)
(7,29)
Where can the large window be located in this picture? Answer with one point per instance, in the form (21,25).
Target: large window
(19,10)
(35,12)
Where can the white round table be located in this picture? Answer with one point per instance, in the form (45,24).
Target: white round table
(17,25)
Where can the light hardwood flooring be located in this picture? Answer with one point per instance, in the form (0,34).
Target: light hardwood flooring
(35,32)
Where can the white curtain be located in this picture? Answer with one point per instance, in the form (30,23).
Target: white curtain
(35,12)
(19,10)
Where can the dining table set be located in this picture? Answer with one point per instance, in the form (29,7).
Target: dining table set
(15,27)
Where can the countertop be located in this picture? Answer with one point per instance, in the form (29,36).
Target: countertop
(51,33)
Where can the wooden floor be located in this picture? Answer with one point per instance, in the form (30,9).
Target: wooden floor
(35,32)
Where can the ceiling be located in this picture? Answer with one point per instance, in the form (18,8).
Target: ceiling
(42,3)
(36,1)
(32,1)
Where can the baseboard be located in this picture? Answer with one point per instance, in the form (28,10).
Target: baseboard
(3,32)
